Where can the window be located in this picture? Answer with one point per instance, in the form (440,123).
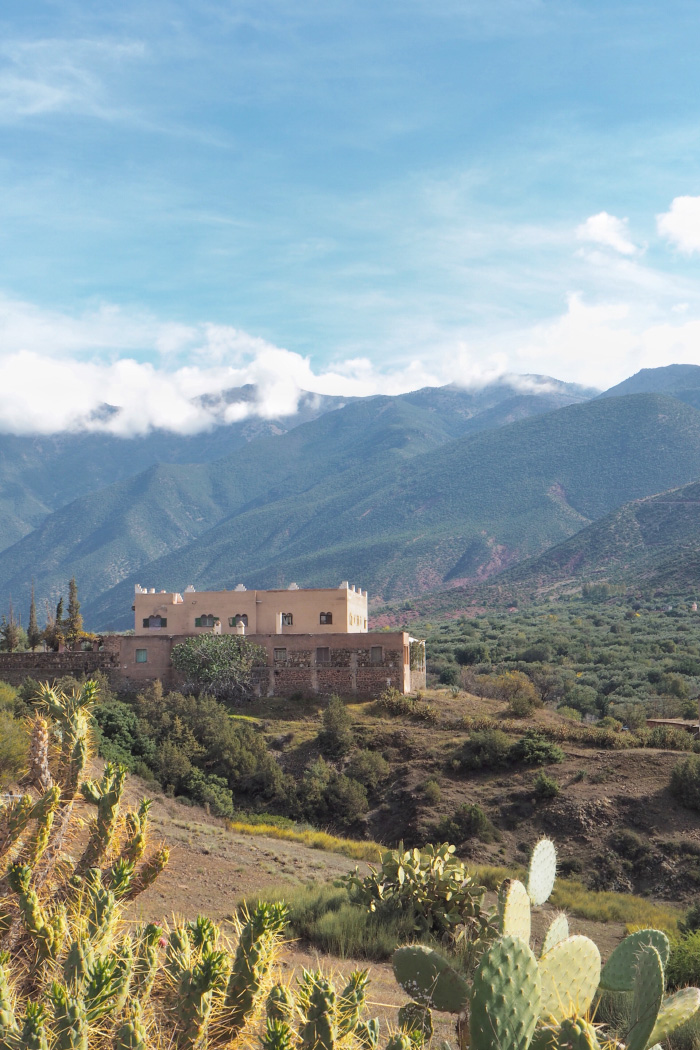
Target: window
(323,655)
(280,656)
(326,618)
(155,621)
(208,620)
(375,654)
(238,619)
(141,656)
(287,619)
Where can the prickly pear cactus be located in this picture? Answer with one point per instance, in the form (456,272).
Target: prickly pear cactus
(570,974)
(576,1033)
(619,972)
(429,979)
(647,998)
(542,872)
(558,930)
(514,910)
(414,1018)
(505,997)
(674,1012)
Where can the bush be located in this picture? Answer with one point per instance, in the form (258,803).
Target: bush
(449,676)
(368,768)
(569,712)
(487,749)
(335,738)
(432,792)
(393,702)
(546,787)
(468,821)
(534,749)
(669,738)
(691,921)
(220,664)
(14,746)
(467,655)
(685,782)
(684,961)
(520,706)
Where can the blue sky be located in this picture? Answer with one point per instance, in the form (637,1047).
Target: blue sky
(343,196)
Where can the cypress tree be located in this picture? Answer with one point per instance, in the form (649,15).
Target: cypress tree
(73,626)
(33,632)
(10,632)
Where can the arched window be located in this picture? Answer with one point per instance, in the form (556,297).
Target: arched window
(207,620)
(155,622)
(326,618)
(238,619)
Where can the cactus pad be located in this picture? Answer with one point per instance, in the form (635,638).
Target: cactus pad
(505,997)
(429,979)
(619,971)
(570,975)
(646,1001)
(675,1011)
(413,1017)
(514,910)
(558,930)
(542,871)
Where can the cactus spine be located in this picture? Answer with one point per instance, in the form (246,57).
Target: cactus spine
(259,936)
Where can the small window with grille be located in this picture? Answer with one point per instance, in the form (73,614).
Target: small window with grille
(287,620)
(326,617)
(375,655)
(323,655)
(142,656)
(280,656)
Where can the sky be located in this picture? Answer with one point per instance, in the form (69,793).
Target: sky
(344,196)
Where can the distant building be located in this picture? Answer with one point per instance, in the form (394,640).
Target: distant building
(327,610)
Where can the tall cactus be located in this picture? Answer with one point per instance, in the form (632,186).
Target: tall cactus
(105,794)
(258,939)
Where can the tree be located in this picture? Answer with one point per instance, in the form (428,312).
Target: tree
(33,632)
(335,738)
(220,664)
(10,632)
(53,632)
(73,625)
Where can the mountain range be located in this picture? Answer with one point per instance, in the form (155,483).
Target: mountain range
(443,488)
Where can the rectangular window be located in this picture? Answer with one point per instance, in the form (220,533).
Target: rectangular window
(163,621)
(141,656)
(287,620)
(326,618)
(375,654)
(198,621)
(146,621)
(323,655)
(280,656)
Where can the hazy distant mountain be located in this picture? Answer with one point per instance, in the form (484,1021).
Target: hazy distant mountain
(682,381)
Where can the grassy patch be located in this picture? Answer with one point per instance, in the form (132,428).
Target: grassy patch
(354,848)
(324,916)
(634,912)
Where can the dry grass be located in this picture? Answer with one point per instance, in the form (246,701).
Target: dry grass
(354,848)
(634,912)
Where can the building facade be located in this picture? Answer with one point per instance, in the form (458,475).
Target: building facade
(326,610)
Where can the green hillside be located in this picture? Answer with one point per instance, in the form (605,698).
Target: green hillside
(402,524)
(652,543)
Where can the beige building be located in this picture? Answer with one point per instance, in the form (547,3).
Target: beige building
(327,610)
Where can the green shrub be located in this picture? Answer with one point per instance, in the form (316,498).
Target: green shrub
(569,712)
(533,749)
(684,961)
(467,822)
(14,746)
(449,676)
(393,702)
(521,706)
(335,738)
(487,749)
(546,787)
(691,922)
(685,781)
(368,768)
(432,792)
(669,738)
(466,655)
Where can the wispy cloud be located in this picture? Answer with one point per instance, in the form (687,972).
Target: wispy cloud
(60,76)
(609,231)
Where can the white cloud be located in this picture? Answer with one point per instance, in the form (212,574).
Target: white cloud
(609,231)
(681,224)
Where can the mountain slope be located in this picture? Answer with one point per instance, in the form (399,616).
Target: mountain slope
(41,474)
(653,542)
(681,381)
(400,525)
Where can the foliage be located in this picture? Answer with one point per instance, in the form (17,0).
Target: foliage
(468,821)
(73,624)
(13,748)
(335,738)
(545,786)
(533,749)
(685,781)
(220,664)
(367,767)
(485,749)
(33,632)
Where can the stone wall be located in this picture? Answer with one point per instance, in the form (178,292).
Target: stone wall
(15,667)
